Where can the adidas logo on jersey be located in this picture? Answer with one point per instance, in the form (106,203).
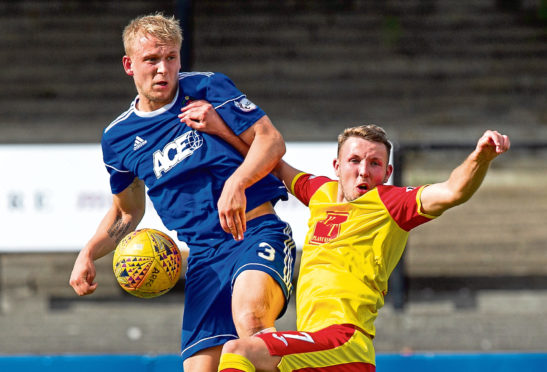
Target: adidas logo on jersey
(139,142)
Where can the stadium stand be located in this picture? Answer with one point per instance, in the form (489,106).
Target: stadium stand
(425,70)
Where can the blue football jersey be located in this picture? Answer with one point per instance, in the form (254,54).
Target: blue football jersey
(185,170)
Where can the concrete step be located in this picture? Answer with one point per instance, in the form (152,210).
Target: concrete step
(53,8)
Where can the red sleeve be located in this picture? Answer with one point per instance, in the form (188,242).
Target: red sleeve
(304,185)
(403,205)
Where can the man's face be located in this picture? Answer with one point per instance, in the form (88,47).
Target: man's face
(360,166)
(154,67)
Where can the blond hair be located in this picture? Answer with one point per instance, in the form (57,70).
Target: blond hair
(165,29)
(368,132)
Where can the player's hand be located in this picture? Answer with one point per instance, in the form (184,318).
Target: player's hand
(201,115)
(492,144)
(231,209)
(83,275)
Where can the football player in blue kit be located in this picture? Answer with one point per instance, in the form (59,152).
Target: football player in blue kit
(202,188)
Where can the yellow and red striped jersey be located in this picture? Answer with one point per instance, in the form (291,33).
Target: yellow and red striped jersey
(350,250)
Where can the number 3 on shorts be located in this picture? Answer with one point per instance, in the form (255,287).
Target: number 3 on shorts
(269,252)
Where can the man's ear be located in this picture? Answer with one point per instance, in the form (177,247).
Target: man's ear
(389,170)
(336,165)
(127,65)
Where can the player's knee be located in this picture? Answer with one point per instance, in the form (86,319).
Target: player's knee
(255,350)
(235,347)
(254,309)
(253,316)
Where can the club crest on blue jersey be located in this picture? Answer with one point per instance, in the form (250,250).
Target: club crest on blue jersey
(186,100)
(176,151)
(245,105)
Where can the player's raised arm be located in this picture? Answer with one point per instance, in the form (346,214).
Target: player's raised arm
(467,177)
(123,216)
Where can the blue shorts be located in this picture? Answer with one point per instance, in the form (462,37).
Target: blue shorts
(212,271)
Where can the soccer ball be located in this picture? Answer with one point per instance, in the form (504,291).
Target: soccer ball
(147,263)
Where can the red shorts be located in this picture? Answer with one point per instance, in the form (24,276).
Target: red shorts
(340,348)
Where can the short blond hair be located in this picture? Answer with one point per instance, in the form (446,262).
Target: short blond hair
(368,132)
(165,29)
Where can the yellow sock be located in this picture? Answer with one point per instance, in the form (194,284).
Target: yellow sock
(234,362)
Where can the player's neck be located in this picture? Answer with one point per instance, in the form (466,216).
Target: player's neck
(147,105)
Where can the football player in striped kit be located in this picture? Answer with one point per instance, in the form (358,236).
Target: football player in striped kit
(358,229)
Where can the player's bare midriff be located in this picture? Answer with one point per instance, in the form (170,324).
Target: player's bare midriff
(262,209)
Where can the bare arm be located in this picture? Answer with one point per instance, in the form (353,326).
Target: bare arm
(201,116)
(284,171)
(265,149)
(466,178)
(123,216)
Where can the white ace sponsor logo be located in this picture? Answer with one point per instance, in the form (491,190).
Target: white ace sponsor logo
(176,151)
